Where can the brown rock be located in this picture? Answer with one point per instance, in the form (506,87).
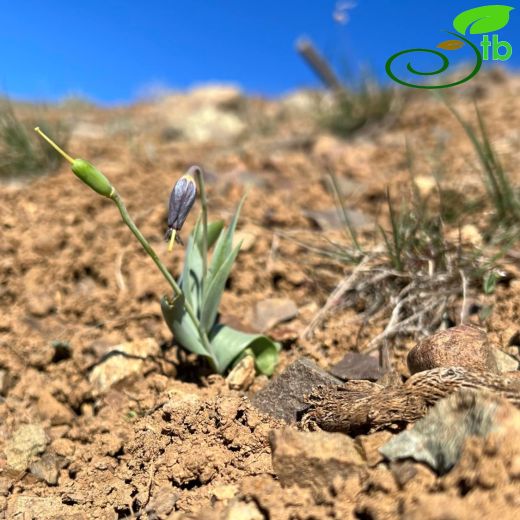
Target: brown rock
(225,492)
(64,447)
(313,459)
(247,238)
(162,503)
(462,346)
(50,408)
(5,381)
(370,444)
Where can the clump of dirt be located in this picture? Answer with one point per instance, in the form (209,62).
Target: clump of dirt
(169,440)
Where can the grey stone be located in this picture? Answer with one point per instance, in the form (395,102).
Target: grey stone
(47,468)
(438,438)
(283,396)
(357,366)
(272,311)
(330,219)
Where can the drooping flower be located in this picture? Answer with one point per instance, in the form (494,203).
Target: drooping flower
(182,199)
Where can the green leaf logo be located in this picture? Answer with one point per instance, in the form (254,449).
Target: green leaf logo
(485,19)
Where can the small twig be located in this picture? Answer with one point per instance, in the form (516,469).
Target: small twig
(120,279)
(149,487)
(333,300)
(399,327)
(199,173)
(275,244)
(464,312)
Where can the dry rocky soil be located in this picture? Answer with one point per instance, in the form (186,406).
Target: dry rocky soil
(86,432)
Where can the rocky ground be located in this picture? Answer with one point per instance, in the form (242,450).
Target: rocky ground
(151,433)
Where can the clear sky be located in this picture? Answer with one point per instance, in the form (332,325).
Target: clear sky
(113,51)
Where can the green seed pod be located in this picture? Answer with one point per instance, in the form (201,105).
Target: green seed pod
(92,177)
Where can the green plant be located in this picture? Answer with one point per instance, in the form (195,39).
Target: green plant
(505,199)
(19,153)
(192,312)
(355,108)
(414,282)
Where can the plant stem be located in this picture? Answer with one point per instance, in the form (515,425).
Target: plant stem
(169,278)
(199,172)
(341,204)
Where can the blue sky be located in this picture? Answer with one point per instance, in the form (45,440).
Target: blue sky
(114,51)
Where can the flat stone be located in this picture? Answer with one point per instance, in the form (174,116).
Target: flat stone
(162,502)
(270,312)
(314,459)
(357,366)
(438,438)
(505,362)
(247,239)
(40,304)
(331,219)
(121,362)
(283,396)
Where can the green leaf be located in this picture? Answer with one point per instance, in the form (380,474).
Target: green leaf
(229,343)
(485,19)
(266,356)
(182,326)
(490,282)
(214,230)
(191,280)
(225,242)
(213,290)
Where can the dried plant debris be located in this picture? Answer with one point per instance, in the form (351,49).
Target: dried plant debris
(362,406)
(438,438)
(409,302)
